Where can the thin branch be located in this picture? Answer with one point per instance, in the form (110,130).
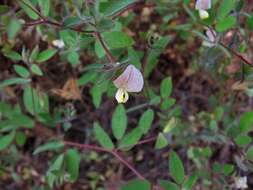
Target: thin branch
(127,165)
(235,53)
(107,51)
(100,149)
(238,55)
(44,20)
(134,6)
(145,141)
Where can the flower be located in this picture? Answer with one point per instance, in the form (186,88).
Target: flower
(58,43)
(202,6)
(241,182)
(131,80)
(211,36)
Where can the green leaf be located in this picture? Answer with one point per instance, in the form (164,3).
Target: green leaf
(36,70)
(55,167)
(72,159)
(50,146)
(96,94)
(246,122)
(73,58)
(137,184)
(13,28)
(28,7)
(114,40)
(161,141)
(13,81)
(243,140)
(166,87)
(249,154)
(226,24)
(130,139)
(146,120)
(102,137)
(228,169)
(46,55)
(190,182)
(35,102)
(13,55)
(105,24)
(116,6)
(154,54)
(119,122)
(20,138)
(176,167)
(45,6)
(167,185)
(6,140)
(250,22)
(20,120)
(22,71)
(167,103)
(86,78)
(226,7)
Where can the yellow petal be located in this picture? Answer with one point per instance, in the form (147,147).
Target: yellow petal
(203,14)
(121,95)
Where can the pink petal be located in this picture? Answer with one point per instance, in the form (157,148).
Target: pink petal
(203,4)
(121,81)
(135,81)
(131,80)
(211,34)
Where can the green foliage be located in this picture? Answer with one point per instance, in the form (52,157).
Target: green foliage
(45,55)
(53,145)
(145,122)
(119,122)
(137,184)
(103,137)
(72,159)
(114,40)
(22,71)
(161,141)
(6,140)
(131,138)
(14,81)
(166,88)
(29,8)
(176,168)
(54,52)
(167,185)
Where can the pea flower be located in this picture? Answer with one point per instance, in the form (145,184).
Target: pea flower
(211,36)
(202,6)
(241,182)
(131,80)
(58,43)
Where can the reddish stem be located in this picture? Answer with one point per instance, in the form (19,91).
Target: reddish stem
(100,149)
(107,51)
(134,6)
(237,55)
(151,139)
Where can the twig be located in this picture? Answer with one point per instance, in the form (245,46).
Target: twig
(237,54)
(107,51)
(44,20)
(135,5)
(145,141)
(100,149)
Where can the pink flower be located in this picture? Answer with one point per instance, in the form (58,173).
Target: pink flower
(202,6)
(131,80)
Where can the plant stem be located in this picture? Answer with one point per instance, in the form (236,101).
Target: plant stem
(107,51)
(100,149)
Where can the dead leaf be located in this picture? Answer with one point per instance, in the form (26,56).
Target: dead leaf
(70,91)
(240,86)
